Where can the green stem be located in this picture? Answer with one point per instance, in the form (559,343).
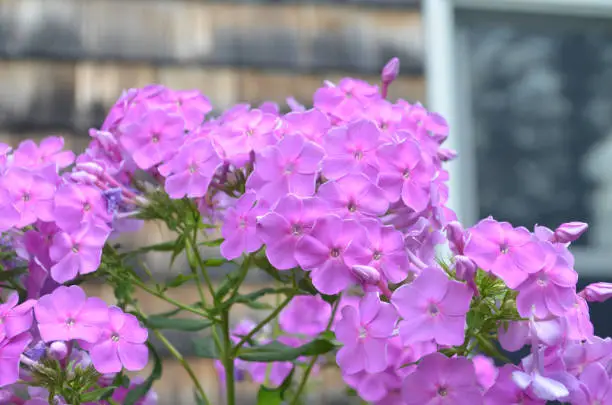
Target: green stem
(314,359)
(263,323)
(169,300)
(193,242)
(228,360)
(179,357)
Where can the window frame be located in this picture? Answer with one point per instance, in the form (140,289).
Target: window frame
(449,96)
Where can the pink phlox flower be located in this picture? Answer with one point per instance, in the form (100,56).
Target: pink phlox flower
(596,386)
(551,290)
(312,124)
(345,100)
(486,372)
(240,227)
(10,353)
(30,155)
(364,333)
(76,205)
(387,117)
(433,307)
(191,170)
(290,166)
(353,195)
(597,292)
(305,315)
(249,131)
(515,334)
(15,318)
(579,326)
(352,149)
(509,253)
(579,354)
(406,173)
(439,380)
(383,250)
(67,314)
(122,344)
(152,138)
(505,390)
(191,105)
(78,252)
(281,229)
(322,252)
(28,197)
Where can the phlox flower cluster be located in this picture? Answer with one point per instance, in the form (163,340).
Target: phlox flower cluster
(350,195)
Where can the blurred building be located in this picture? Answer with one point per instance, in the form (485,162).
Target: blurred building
(63,63)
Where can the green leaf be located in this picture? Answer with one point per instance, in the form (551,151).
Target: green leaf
(178,248)
(158,247)
(11,274)
(184,324)
(199,400)
(142,389)
(263,264)
(269,396)
(212,243)
(179,280)
(225,287)
(205,348)
(276,351)
(96,395)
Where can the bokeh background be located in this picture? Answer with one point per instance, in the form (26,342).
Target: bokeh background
(534,97)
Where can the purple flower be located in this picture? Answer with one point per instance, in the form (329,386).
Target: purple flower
(390,71)
(122,344)
(505,390)
(77,253)
(76,205)
(240,227)
(192,105)
(67,314)
(282,228)
(290,166)
(30,194)
(29,155)
(551,290)
(305,315)
(311,124)
(596,386)
(249,131)
(433,307)
(509,253)
(569,232)
(152,138)
(346,100)
(15,319)
(441,380)
(597,292)
(322,252)
(353,195)
(364,333)
(383,250)
(352,149)
(405,172)
(10,352)
(190,171)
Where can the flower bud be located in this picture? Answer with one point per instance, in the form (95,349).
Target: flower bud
(105,138)
(597,292)
(83,177)
(390,71)
(570,231)
(446,155)
(366,274)
(465,269)
(91,168)
(58,350)
(456,236)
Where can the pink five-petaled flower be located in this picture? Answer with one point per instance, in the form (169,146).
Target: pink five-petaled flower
(78,252)
(152,138)
(354,195)
(67,314)
(550,291)
(405,172)
(596,386)
(10,353)
(433,307)
(505,390)
(190,171)
(76,205)
(30,194)
(282,228)
(306,315)
(249,131)
(322,252)
(192,105)
(122,344)
(439,380)
(15,319)
(28,154)
(240,227)
(364,331)
(290,166)
(352,149)
(509,253)
(312,124)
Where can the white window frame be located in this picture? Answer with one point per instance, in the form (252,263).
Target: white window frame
(448,96)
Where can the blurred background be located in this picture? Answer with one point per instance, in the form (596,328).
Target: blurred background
(528,91)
